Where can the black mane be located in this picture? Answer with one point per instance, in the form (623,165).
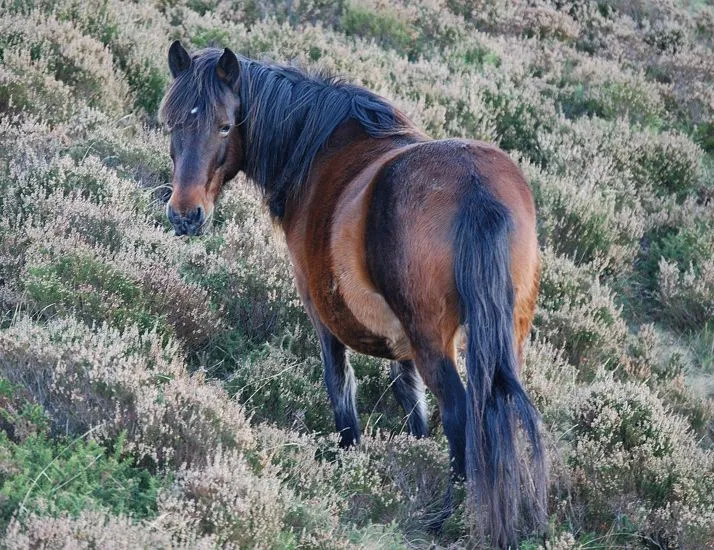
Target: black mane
(287,115)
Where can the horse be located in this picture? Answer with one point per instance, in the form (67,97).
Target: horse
(399,245)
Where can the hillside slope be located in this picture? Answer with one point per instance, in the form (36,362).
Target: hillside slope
(167,392)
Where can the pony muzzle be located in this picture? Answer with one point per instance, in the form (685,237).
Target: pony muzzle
(187,222)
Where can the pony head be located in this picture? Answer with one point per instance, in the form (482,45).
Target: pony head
(202,112)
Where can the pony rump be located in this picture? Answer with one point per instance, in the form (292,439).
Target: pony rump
(502,486)
(286,115)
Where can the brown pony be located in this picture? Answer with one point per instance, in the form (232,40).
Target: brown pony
(397,242)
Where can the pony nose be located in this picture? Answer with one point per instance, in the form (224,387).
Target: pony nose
(189,222)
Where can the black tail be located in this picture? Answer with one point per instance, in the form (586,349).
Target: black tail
(507,490)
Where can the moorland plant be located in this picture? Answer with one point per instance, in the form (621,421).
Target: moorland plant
(168,392)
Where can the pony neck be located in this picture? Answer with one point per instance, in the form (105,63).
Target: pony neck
(288,115)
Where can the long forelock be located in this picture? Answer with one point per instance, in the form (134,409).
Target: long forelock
(194,94)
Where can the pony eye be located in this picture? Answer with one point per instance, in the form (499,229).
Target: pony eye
(224,130)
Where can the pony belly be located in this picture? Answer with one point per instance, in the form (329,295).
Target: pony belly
(351,273)
(372,311)
(368,343)
(359,294)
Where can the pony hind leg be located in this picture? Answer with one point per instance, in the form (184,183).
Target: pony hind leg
(341,386)
(442,378)
(408,389)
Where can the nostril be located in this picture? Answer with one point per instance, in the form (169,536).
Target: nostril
(197,215)
(173,216)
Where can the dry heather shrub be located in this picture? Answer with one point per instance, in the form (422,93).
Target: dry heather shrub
(678,264)
(136,152)
(599,87)
(226,500)
(80,62)
(94,529)
(250,238)
(687,295)
(137,31)
(133,34)
(634,165)
(87,248)
(252,12)
(304,466)
(27,86)
(663,41)
(584,221)
(666,162)
(248,278)
(317,509)
(276,386)
(549,378)
(543,21)
(536,19)
(124,286)
(520,112)
(26,139)
(578,314)
(563,541)
(587,198)
(692,72)
(412,28)
(667,214)
(599,147)
(632,458)
(395,478)
(652,357)
(107,382)
(580,142)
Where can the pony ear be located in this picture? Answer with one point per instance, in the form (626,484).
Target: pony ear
(179,60)
(228,68)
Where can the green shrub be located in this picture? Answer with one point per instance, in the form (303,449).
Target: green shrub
(27,87)
(277,387)
(519,117)
(54,476)
(586,222)
(686,296)
(72,58)
(595,87)
(678,270)
(51,476)
(395,479)
(384,25)
(92,290)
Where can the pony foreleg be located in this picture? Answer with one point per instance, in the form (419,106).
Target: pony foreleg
(341,386)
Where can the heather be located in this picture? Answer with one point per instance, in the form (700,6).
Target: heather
(165,392)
